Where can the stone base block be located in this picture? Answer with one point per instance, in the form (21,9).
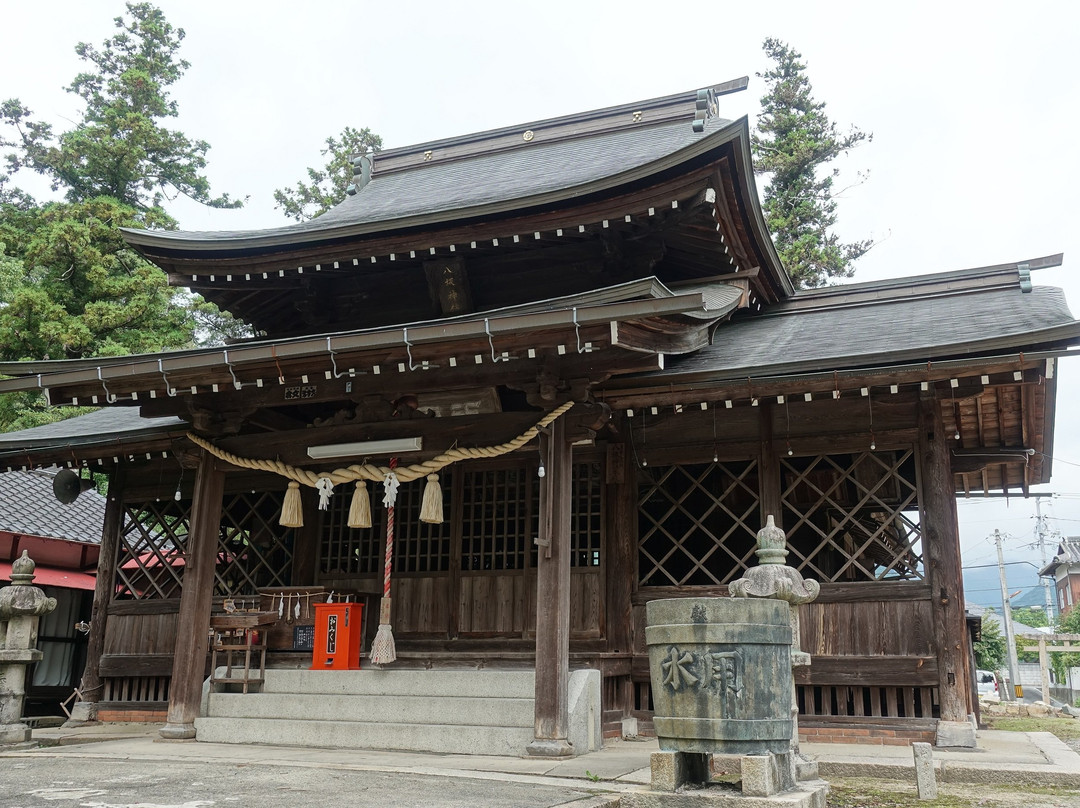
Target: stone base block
(806,795)
(550,748)
(806,768)
(14,733)
(83,712)
(673,770)
(178,732)
(629,728)
(955,733)
(766,775)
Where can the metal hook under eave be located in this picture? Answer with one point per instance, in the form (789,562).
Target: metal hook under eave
(577,332)
(333,360)
(408,348)
(168,388)
(236,383)
(491,341)
(108,396)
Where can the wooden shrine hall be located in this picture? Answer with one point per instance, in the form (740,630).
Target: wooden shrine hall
(581,328)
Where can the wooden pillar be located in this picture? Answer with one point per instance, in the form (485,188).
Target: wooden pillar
(193,623)
(620,552)
(306,548)
(553,598)
(941,551)
(768,470)
(91,685)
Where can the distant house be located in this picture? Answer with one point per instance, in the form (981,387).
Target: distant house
(1064,568)
(63,540)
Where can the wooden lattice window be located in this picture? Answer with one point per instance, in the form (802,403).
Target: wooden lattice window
(346,550)
(150,553)
(253,549)
(587,514)
(496,518)
(853,517)
(697,524)
(419,546)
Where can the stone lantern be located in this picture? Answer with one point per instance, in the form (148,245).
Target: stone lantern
(20,607)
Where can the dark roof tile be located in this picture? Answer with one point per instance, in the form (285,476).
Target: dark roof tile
(27,506)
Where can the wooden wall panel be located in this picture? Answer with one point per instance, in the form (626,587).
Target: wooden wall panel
(900,628)
(140,633)
(585,602)
(421,605)
(492,603)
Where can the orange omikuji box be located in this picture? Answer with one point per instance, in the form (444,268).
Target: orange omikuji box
(338,637)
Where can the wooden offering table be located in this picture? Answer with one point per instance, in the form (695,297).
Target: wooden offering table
(238,633)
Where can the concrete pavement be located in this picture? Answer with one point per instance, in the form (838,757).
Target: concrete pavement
(622,765)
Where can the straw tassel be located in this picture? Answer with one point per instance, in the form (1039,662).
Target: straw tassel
(383,651)
(432,511)
(360,507)
(292,510)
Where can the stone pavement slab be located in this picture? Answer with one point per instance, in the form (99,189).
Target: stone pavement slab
(1000,757)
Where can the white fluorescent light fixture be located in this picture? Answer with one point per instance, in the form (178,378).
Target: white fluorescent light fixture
(367,447)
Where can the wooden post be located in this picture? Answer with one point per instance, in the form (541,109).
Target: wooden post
(306,548)
(553,598)
(91,686)
(769,470)
(621,548)
(193,623)
(1044,669)
(941,549)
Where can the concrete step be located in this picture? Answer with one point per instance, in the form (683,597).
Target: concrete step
(383,709)
(445,739)
(488,684)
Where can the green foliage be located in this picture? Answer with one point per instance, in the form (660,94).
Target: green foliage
(69,286)
(1068,622)
(326,186)
(120,148)
(793,143)
(991,650)
(1036,618)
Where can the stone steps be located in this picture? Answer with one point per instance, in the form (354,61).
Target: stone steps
(486,712)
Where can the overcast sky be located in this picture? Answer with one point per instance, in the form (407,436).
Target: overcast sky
(972,106)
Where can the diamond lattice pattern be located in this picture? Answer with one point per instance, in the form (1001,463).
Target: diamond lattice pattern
(696,523)
(853,517)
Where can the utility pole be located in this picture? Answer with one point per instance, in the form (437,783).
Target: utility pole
(1006,614)
(1040,531)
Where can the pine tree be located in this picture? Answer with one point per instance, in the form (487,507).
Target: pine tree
(793,144)
(69,286)
(326,186)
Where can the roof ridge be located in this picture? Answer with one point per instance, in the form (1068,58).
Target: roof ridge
(648,112)
(929,285)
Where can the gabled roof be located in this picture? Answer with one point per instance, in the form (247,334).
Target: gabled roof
(488,173)
(28,507)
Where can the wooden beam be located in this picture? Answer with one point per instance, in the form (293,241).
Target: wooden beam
(193,623)
(552,722)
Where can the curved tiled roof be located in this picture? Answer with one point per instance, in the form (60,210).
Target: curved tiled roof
(792,340)
(27,506)
(479,183)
